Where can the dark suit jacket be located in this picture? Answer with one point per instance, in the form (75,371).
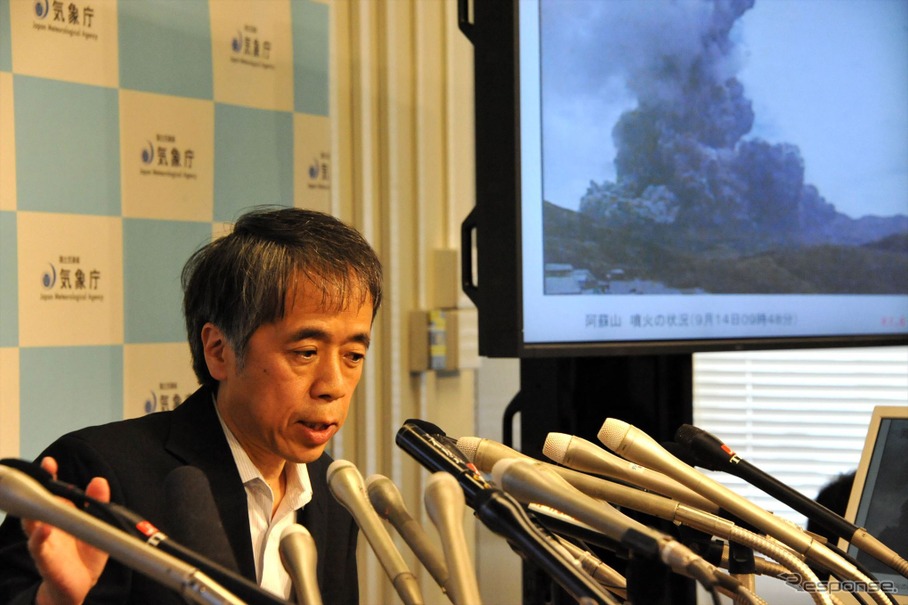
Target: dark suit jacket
(136,456)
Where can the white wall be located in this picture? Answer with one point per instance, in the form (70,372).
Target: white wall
(403,103)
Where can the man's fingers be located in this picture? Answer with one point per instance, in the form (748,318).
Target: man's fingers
(50,465)
(29,526)
(37,533)
(99,489)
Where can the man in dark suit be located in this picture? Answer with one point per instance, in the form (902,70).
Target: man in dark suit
(279,316)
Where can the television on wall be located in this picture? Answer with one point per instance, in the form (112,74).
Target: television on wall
(688,175)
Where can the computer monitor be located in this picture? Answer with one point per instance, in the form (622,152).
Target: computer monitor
(879,497)
(679,176)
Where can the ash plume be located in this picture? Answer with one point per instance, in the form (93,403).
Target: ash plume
(683,156)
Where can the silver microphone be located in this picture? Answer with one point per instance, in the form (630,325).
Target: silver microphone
(346,484)
(582,455)
(300,559)
(445,504)
(22,496)
(534,482)
(389,504)
(485,453)
(634,444)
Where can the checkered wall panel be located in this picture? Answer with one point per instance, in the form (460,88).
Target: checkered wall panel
(129,133)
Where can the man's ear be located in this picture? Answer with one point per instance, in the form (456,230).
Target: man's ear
(215,346)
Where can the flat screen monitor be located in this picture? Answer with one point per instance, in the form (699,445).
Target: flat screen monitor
(688,175)
(879,496)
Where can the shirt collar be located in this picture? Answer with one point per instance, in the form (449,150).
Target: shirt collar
(299,486)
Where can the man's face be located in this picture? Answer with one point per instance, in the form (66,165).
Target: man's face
(293,391)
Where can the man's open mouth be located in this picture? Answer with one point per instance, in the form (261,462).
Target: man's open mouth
(316,426)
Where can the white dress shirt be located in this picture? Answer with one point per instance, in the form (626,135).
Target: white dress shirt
(264,528)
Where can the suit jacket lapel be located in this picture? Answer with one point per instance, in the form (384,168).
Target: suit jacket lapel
(197,438)
(314,515)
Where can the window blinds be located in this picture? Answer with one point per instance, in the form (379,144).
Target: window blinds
(799,415)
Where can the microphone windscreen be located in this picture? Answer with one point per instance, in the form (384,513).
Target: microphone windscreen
(555,446)
(192,518)
(469,447)
(613,432)
(685,434)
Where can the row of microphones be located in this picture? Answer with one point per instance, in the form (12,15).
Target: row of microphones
(586,498)
(635,445)
(348,488)
(378,498)
(486,454)
(532,483)
(549,513)
(501,512)
(582,455)
(649,479)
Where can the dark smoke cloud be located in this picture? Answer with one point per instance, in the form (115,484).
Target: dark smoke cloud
(682,155)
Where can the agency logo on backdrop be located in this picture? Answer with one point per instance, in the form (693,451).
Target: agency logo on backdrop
(68,279)
(250,47)
(165,157)
(319,172)
(166,396)
(65,18)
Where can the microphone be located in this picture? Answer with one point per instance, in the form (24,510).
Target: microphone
(582,455)
(445,505)
(389,504)
(299,557)
(501,513)
(602,573)
(192,517)
(188,493)
(346,484)
(710,452)
(530,482)
(633,444)
(485,453)
(22,496)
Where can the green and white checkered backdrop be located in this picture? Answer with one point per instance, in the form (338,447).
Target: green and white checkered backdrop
(131,133)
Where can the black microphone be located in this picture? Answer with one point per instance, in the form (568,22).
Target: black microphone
(501,513)
(711,453)
(70,492)
(193,518)
(188,492)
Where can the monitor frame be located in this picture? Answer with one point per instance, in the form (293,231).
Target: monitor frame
(491,235)
(880,415)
